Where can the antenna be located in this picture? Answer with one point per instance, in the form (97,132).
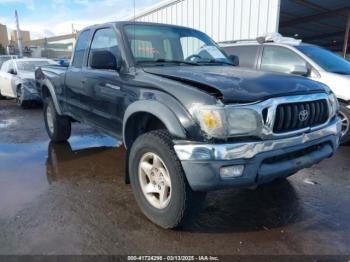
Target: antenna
(134,10)
(19,35)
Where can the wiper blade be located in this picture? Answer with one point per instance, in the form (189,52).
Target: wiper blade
(169,62)
(214,61)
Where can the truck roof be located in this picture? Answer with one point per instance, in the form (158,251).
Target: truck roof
(122,23)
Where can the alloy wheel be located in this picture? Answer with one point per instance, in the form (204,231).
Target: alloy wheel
(154,180)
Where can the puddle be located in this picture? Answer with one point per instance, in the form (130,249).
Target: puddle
(27,170)
(7,123)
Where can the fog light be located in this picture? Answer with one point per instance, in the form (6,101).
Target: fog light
(231,171)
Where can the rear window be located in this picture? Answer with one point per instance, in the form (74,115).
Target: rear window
(247,54)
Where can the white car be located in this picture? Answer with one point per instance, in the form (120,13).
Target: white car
(288,55)
(17,79)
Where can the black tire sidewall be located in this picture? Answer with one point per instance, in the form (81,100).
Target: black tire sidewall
(49,103)
(171,214)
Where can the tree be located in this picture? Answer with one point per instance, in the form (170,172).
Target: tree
(2,50)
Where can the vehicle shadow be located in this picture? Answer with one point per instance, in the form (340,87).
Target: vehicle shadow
(64,164)
(268,207)
(235,210)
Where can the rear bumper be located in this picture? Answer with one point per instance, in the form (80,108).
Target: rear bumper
(263,161)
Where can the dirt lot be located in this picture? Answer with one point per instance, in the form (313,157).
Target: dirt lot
(71,199)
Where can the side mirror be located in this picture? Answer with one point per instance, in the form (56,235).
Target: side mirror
(104,60)
(234,59)
(300,70)
(12,72)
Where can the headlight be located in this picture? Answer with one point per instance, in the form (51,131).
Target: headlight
(334,104)
(222,122)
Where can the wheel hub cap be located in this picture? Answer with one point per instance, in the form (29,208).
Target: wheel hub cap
(49,119)
(155,180)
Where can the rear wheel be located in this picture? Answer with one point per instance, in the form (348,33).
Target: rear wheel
(57,127)
(344,115)
(159,182)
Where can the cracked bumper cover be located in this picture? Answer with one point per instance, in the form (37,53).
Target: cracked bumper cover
(263,161)
(30,94)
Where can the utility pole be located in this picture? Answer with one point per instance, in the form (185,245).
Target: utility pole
(346,37)
(19,36)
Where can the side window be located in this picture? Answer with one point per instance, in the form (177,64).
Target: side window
(81,45)
(105,40)
(280,59)
(247,54)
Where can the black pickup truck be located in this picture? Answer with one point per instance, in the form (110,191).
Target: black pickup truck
(190,120)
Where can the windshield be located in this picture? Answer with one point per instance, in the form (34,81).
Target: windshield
(167,44)
(328,60)
(31,65)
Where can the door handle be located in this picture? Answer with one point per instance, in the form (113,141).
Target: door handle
(115,87)
(83,81)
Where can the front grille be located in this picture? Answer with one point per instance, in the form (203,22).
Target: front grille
(294,116)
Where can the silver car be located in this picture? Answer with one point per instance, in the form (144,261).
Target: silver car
(17,79)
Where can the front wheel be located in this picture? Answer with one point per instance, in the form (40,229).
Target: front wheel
(344,115)
(159,182)
(57,127)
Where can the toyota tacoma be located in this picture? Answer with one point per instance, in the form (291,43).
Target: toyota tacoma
(190,120)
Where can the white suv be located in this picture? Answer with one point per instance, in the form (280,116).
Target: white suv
(287,55)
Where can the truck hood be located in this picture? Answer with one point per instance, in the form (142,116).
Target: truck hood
(233,84)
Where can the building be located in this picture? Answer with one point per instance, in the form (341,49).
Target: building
(51,47)
(25,36)
(4,41)
(325,23)
(223,20)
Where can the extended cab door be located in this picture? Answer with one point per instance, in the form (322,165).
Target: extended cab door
(104,86)
(75,91)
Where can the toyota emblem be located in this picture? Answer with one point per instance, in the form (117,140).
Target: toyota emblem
(303,115)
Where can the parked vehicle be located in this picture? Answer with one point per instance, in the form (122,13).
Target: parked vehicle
(17,79)
(4,58)
(190,120)
(287,55)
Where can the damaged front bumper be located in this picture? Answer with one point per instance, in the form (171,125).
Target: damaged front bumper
(30,93)
(208,166)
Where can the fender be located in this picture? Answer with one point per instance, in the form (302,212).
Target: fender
(46,82)
(160,111)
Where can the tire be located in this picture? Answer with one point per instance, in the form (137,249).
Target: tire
(2,97)
(182,203)
(57,127)
(344,114)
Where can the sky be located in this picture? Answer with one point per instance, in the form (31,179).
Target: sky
(45,18)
